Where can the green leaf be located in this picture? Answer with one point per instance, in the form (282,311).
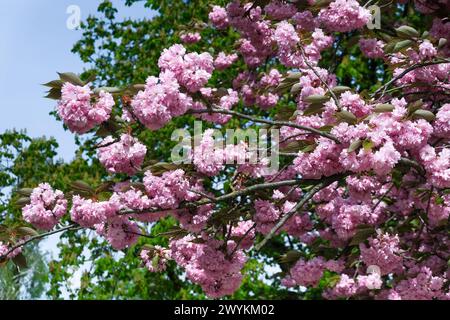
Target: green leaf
(316,98)
(383,107)
(416,105)
(407,32)
(424,114)
(399,46)
(26,192)
(54,94)
(313,108)
(442,43)
(22,202)
(340,89)
(346,116)
(71,77)
(112,90)
(54,84)
(354,145)
(295,89)
(293,75)
(82,187)
(367,145)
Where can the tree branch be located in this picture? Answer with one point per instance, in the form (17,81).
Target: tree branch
(321,185)
(37,237)
(266,121)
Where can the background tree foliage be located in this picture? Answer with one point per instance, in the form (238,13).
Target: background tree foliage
(126,52)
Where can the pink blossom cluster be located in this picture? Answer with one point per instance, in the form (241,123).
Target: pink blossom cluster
(88,213)
(422,286)
(170,189)
(223,60)
(191,70)
(123,156)
(46,207)
(190,37)
(309,272)
(344,16)
(372,48)
(120,232)
(160,101)
(384,252)
(219,17)
(217,272)
(78,111)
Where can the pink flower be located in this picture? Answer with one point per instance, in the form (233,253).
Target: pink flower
(384,252)
(223,60)
(344,16)
(190,37)
(218,17)
(77,110)
(427,50)
(123,156)
(87,213)
(372,48)
(308,273)
(442,123)
(46,207)
(208,266)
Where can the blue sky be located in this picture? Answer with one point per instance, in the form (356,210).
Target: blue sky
(35,43)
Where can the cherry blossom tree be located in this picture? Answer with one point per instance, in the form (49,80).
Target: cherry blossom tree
(362,191)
